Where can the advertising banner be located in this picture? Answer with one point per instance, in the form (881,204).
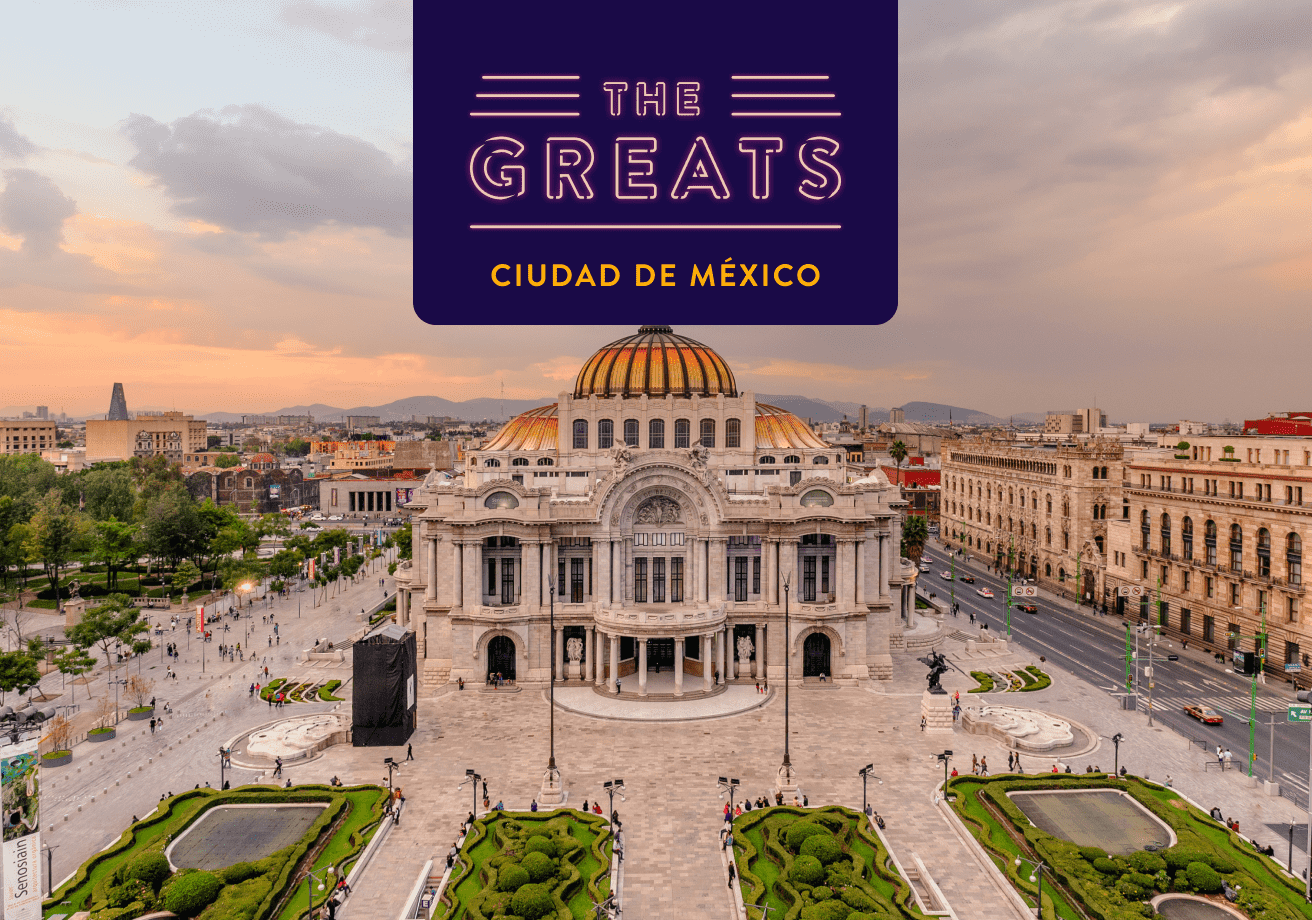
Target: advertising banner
(200,619)
(337,555)
(275,492)
(311,570)
(22,822)
(403,496)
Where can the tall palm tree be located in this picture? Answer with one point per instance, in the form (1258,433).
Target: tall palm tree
(915,533)
(898,451)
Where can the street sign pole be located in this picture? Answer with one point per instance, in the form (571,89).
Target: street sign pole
(952,557)
(1152,643)
(1010,552)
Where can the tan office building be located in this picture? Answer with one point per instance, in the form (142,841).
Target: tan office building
(149,434)
(27,436)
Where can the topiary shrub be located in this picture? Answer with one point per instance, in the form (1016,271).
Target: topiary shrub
(798,831)
(1178,858)
(1145,862)
(1202,878)
(857,899)
(1130,891)
(807,871)
(192,893)
(1106,866)
(826,910)
(538,866)
(823,847)
(532,901)
(240,872)
(151,868)
(1140,879)
(1092,853)
(540,844)
(822,893)
(512,878)
(1221,863)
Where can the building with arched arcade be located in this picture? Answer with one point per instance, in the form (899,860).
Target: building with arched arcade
(668,517)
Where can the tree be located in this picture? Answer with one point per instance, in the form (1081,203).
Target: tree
(115,622)
(403,538)
(898,451)
(272,525)
(915,532)
(212,441)
(57,533)
(73,662)
(18,671)
(59,732)
(138,689)
(12,533)
(227,461)
(171,527)
(108,493)
(184,576)
(113,544)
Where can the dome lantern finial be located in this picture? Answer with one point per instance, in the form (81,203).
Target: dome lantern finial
(655,330)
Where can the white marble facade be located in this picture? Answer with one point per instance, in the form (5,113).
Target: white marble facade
(667,520)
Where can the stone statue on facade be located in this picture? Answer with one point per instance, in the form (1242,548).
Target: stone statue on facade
(658,510)
(621,456)
(745,648)
(430,481)
(574,650)
(697,458)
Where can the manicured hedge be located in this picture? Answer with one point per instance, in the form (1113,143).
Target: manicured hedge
(1116,888)
(985,682)
(1035,679)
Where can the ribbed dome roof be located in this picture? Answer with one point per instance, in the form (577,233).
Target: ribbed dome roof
(655,362)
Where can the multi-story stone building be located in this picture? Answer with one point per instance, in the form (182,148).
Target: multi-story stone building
(1225,541)
(27,436)
(1042,509)
(669,520)
(172,435)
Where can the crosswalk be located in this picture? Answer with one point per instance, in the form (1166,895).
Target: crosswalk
(1233,705)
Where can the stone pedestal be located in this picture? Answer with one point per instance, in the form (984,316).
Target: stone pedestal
(553,790)
(936,710)
(73,610)
(785,783)
(574,670)
(1271,788)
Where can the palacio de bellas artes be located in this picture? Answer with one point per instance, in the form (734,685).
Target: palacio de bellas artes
(662,518)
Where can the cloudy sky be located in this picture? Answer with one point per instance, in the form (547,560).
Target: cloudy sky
(1100,199)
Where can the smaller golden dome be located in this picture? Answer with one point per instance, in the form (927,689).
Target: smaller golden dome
(655,362)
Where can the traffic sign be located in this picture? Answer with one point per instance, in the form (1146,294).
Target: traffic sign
(1300,713)
(1132,591)
(1024,591)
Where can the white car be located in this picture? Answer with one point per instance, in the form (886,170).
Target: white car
(926,559)
(334,517)
(946,576)
(924,566)
(985,593)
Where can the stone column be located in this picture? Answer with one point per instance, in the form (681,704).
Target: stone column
(860,573)
(715,569)
(472,579)
(678,665)
(600,584)
(760,651)
(626,572)
(723,637)
(614,662)
(768,592)
(548,570)
(560,653)
(431,575)
(708,661)
(843,575)
(642,667)
(589,651)
(599,667)
(530,556)
(788,567)
(885,563)
(457,574)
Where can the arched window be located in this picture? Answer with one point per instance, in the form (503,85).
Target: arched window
(605,434)
(988,518)
(990,492)
(1011,497)
(766,460)
(631,432)
(1049,499)
(1209,541)
(1061,575)
(1166,534)
(580,434)
(1098,541)
(248,482)
(682,429)
(1294,556)
(519,461)
(1187,539)
(1264,553)
(1065,540)
(732,428)
(1065,507)
(656,434)
(492,462)
(1047,570)
(708,432)
(1104,472)
(545,461)
(1034,532)
(1047,536)
(820,461)
(792,458)
(1236,548)
(1145,528)
(1034,500)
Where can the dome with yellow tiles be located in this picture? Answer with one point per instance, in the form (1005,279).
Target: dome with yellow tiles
(655,362)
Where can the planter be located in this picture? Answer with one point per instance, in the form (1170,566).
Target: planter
(101,734)
(140,713)
(56,758)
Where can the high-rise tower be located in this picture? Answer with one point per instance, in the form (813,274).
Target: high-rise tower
(118,405)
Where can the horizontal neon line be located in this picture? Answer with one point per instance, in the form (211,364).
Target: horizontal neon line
(526,95)
(524,114)
(794,77)
(782,95)
(786,114)
(655,226)
(526,77)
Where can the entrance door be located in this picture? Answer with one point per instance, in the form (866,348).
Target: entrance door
(501,657)
(660,654)
(815,655)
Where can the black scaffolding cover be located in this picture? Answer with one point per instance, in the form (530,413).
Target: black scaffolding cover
(383,699)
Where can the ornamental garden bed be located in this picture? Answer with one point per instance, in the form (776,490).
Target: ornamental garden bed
(818,864)
(531,865)
(140,713)
(101,734)
(1092,882)
(1021,680)
(56,758)
(302,691)
(133,877)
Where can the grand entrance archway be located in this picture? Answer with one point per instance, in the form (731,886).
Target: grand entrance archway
(815,656)
(660,654)
(501,657)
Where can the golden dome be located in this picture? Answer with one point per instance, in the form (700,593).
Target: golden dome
(531,430)
(778,429)
(655,362)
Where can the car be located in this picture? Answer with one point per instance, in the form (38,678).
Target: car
(334,517)
(1028,608)
(924,566)
(985,593)
(926,559)
(946,576)
(968,579)
(1204,714)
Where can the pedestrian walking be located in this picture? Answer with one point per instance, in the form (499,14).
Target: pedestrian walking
(922,723)
(984,766)
(409,752)
(731,875)
(152,726)
(974,764)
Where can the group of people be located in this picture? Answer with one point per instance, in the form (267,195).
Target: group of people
(232,653)
(1223,757)
(494,679)
(762,688)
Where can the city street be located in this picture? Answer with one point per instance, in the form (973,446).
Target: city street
(1093,646)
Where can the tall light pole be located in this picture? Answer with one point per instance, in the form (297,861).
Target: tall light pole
(472,778)
(945,757)
(613,788)
(310,878)
(786,770)
(866,773)
(1305,696)
(730,786)
(1011,551)
(1116,757)
(1039,866)
(551,593)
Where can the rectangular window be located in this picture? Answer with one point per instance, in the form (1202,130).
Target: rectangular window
(1291,609)
(1291,652)
(658,539)
(1166,576)
(1186,618)
(640,580)
(824,575)
(740,578)
(756,575)
(350,496)
(1234,594)
(1261,601)
(1209,629)
(507,581)
(388,501)
(1232,636)
(1184,580)
(808,579)
(576,581)
(682,429)
(1211,587)
(1163,608)
(656,434)
(1145,570)
(658,580)
(676,579)
(491,576)
(560,578)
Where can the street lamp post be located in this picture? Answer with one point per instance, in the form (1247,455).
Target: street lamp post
(1010,553)
(224,763)
(730,786)
(1116,756)
(391,765)
(553,792)
(1039,866)
(613,788)
(472,778)
(116,682)
(310,878)
(1260,641)
(865,773)
(50,863)
(786,769)
(945,757)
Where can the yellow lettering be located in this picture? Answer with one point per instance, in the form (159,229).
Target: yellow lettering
(748,272)
(726,273)
(637,275)
(703,279)
(777,270)
(815,275)
(555,275)
(614,278)
(518,266)
(585,275)
(541,281)
(765,276)
(497,281)
(667,274)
